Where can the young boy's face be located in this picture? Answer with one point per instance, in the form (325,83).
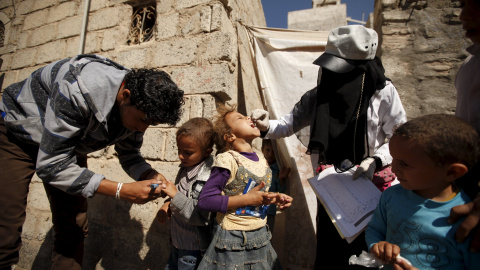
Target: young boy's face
(189,151)
(415,170)
(242,126)
(470,18)
(268,153)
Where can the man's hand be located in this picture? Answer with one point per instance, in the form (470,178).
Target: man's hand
(140,192)
(164,213)
(260,118)
(385,251)
(472,211)
(367,168)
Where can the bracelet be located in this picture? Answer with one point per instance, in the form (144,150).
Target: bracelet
(119,187)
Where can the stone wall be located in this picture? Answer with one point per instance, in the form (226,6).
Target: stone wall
(198,42)
(422,45)
(319,18)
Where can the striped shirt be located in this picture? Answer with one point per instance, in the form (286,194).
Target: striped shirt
(66,109)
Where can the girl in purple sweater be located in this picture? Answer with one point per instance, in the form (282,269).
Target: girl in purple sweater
(240,241)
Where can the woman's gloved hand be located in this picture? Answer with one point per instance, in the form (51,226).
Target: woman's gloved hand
(366,167)
(260,118)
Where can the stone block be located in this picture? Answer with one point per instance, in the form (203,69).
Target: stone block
(72,47)
(422,45)
(167,25)
(137,56)
(93,41)
(8,13)
(209,108)
(24,7)
(389,3)
(396,16)
(43,34)
(167,169)
(323,19)
(22,40)
(18,20)
(190,24)
(220,46)
(4,4)
(25,73)
(154,144)
(395,66)
(165,6)
(396,43)
(201,106)
(104,18)
(176,52)
(218,13)
(182,4)
(50,52)
(35,19)
(196,106)
(62,11)
(214,79)
(24,58)
(43,4)
(171,150)
(114,37)
(399,29)
(205,18)
(69,27)
(6,59)
(96,5)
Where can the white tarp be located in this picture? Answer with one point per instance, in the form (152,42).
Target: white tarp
(284,65)
(284,62)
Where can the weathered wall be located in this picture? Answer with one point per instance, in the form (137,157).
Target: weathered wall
(422,46)
(319,18)
(195,41)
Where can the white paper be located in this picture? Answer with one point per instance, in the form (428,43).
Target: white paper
(350,203)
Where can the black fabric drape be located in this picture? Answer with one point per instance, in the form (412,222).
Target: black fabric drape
(337,133)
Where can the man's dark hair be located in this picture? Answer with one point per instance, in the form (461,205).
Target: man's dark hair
(154,93)
(446,139)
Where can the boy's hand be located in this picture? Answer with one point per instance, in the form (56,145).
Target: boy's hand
(400,264)
(164,213)
(385,251)
(472,211)
(169,188)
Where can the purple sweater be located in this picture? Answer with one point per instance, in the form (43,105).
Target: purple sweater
(211,198)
